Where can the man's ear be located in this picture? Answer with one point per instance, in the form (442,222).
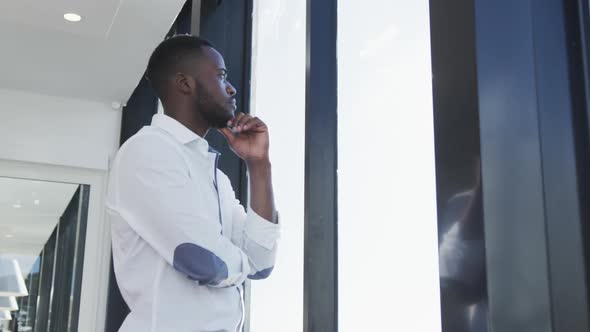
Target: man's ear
(184,83)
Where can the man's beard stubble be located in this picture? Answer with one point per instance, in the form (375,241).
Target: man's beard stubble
(215,115)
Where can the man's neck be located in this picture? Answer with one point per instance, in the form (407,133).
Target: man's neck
(191,120)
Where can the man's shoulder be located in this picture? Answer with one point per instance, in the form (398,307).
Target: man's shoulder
(149,137)
(149,142)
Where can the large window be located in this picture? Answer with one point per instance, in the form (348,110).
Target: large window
(387,221)
(278,97)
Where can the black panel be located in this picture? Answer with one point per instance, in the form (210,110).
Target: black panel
(64,266)
(320,234)
(555,91)
(530,156)
(28,305)
(46,283)
(140,109)
(228,25)
(464,298)
(518,283)
(531,89)
(76,290)
(578,32)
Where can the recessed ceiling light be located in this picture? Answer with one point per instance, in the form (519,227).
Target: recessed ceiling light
(37,202)
(8,236)
(72,17)
(17,206)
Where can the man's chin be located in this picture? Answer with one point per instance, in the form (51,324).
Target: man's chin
(222,123)
(220,118)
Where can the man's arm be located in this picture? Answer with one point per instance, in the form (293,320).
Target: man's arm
(256,234)
(249,139)
(159,201)
(261,192)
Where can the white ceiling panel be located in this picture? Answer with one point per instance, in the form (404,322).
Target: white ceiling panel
(100,58)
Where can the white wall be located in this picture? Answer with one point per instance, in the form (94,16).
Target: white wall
(57,131)
(66,140)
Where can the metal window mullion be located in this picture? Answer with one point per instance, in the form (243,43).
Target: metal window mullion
(321,158)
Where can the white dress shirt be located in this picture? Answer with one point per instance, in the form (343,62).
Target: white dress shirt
(182,243)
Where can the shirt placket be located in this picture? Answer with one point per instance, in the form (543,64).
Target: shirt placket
(216,186)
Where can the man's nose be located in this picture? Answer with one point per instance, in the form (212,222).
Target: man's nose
(231,90)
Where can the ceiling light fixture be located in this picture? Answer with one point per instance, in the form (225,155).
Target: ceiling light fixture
(72,17)
(37,202)
(5,315)
(8,303)
(17,206)
(8,236)
(11,279)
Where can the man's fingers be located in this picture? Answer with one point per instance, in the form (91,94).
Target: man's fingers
(245,122)
(254,124)
(229,135)
(249,123)
(239,120)
(232,122)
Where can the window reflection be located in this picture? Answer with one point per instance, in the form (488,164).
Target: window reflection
(462,260)
(47,240)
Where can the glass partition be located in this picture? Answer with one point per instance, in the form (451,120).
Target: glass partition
(278,97)
(43,227)
(387,218)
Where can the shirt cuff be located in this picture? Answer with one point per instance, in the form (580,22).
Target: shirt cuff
(262,231)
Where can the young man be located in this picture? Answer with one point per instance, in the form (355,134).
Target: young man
(182,244)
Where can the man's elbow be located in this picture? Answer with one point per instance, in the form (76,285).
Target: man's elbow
(199,264)
(263,274)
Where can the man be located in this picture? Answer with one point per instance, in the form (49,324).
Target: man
(182,244)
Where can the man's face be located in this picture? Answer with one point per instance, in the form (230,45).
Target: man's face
(215,95)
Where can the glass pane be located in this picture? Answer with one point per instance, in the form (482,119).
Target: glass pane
(27,312)
(42,227)
(278,97)
(387,222)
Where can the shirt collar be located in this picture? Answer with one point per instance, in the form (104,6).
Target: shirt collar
(181,133)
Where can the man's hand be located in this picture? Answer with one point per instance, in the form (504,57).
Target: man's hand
(248,138)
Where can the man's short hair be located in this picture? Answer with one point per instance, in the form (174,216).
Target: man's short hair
(167,58)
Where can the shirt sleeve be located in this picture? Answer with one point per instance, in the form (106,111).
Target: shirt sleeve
(157,198)
(256,236)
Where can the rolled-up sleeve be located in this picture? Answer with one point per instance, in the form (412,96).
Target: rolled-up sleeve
(256,236)
(156,196)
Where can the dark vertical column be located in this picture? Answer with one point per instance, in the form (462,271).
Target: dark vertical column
(556,94)
(515,231)
(321,159)
(76,289)
(228,25)
(463,287)
(578,25)
(577,16)
(64,265)
(531,99)
(45,284)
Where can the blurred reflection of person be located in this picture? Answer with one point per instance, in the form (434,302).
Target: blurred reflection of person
(462,261)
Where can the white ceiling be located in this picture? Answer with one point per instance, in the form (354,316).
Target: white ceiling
(100,58)
(29,212)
